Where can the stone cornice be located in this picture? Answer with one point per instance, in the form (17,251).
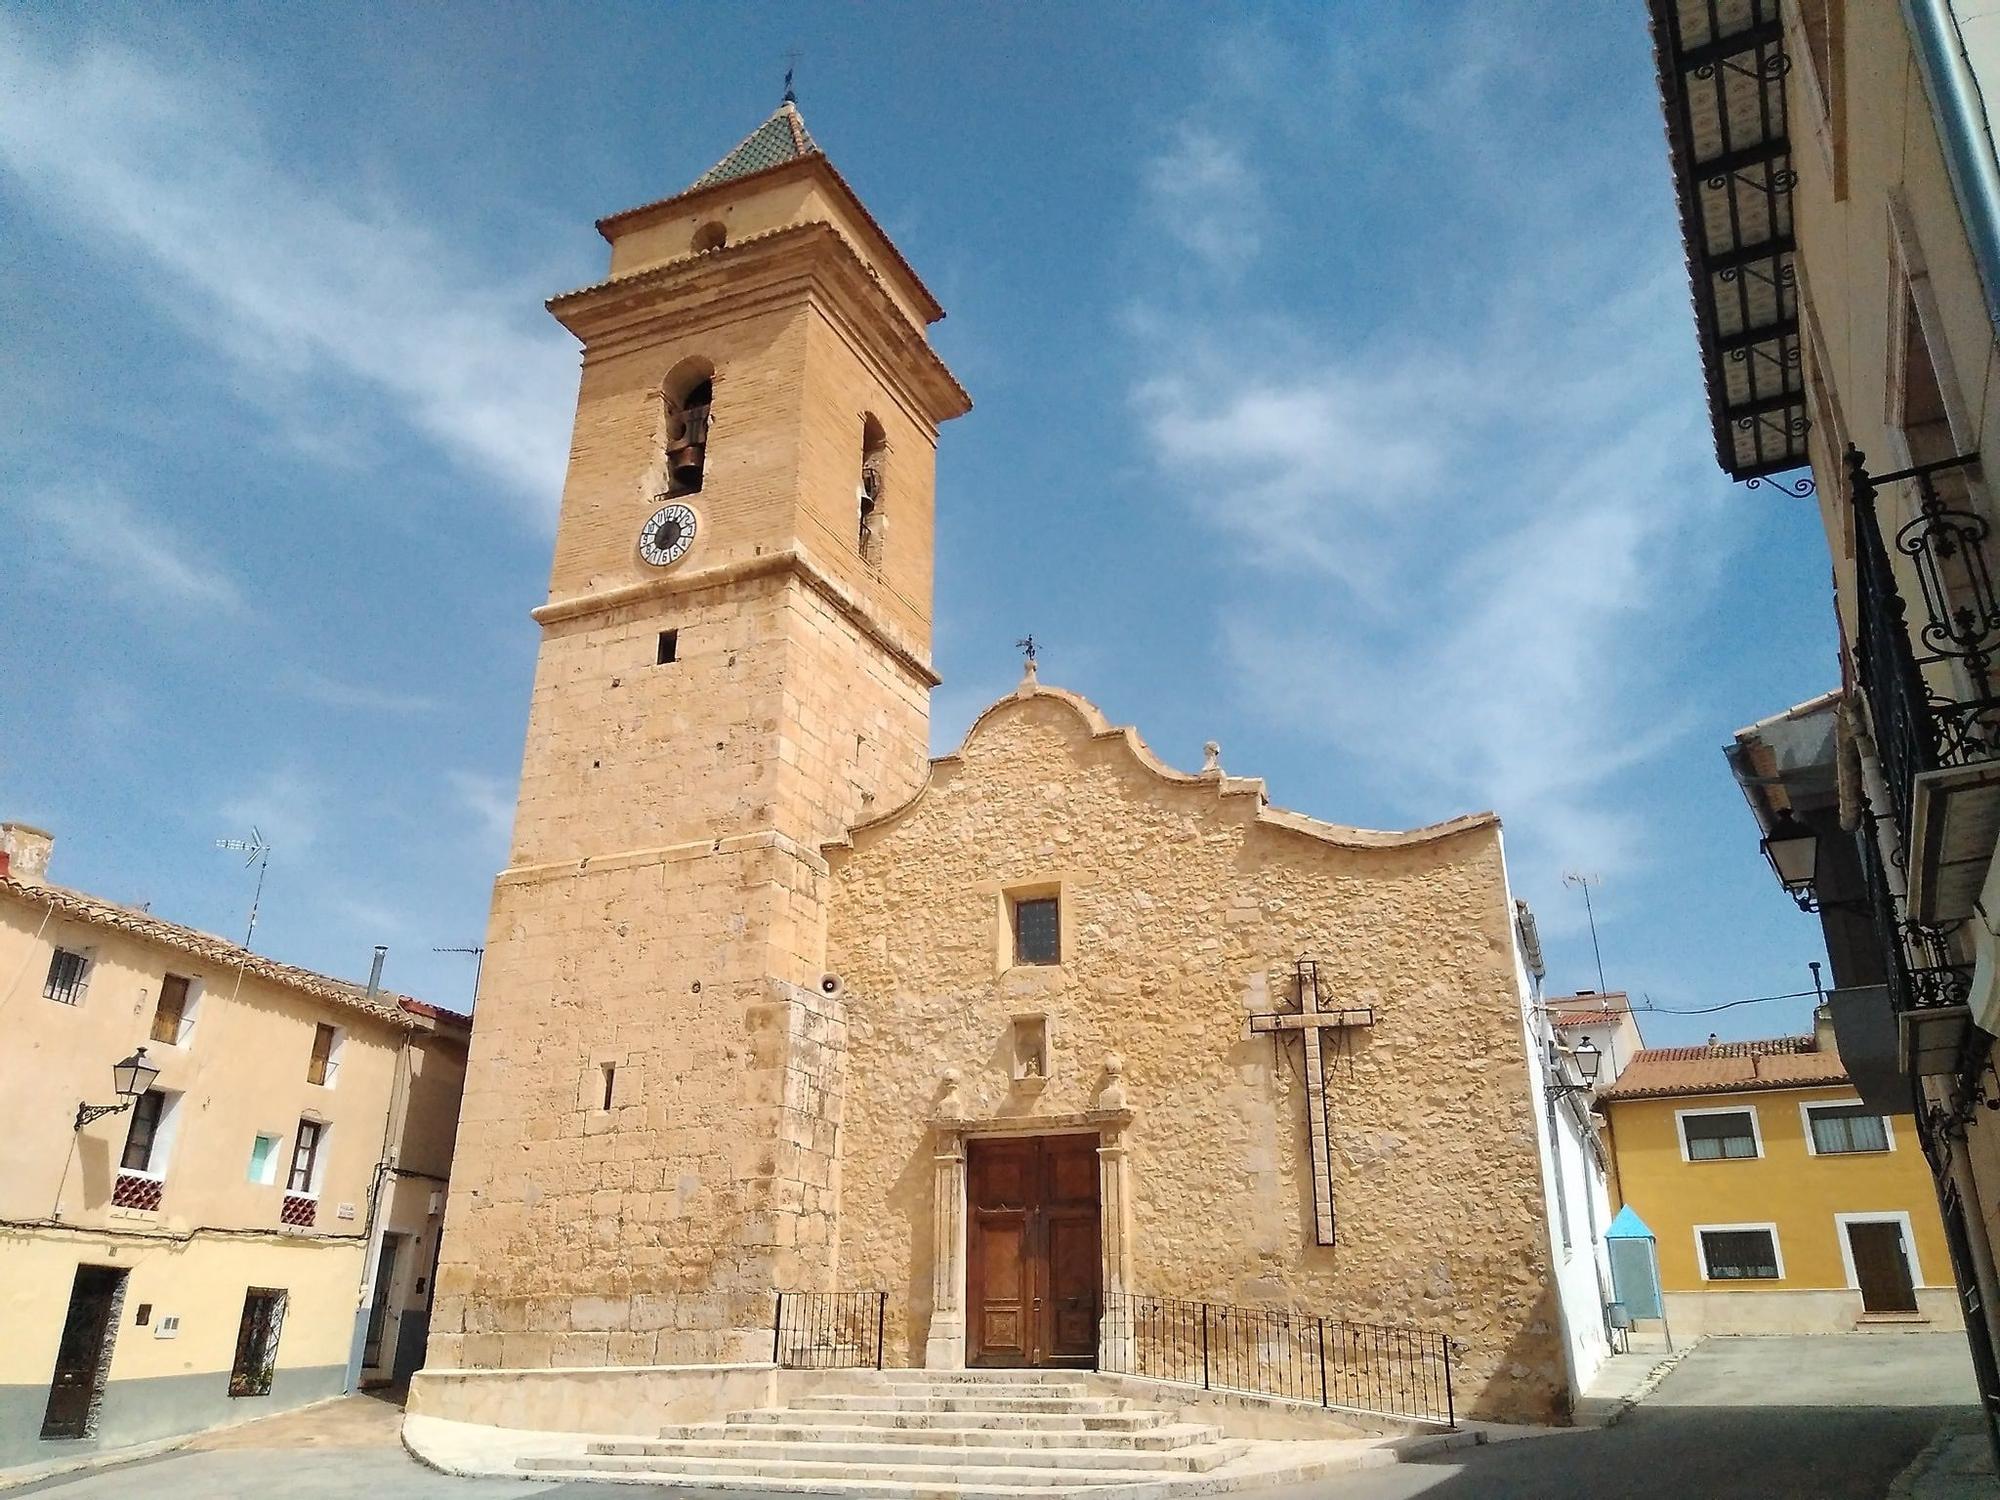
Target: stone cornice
(663,854)
(1249,788)
(767,270)
(797,562)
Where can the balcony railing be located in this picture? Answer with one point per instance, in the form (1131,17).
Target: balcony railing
(1929,680)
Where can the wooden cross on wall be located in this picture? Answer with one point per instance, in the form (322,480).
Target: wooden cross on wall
(1311,1021)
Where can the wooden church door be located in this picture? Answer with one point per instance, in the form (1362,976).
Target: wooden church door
(1032,1265)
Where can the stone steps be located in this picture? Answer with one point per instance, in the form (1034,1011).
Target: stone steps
(1190,1457)
(929,1478)
(927,1435)
(997,1421)
(1064,1405)
(1159,1438)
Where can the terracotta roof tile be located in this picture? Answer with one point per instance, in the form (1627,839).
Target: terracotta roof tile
(80,907)
(1787,1062)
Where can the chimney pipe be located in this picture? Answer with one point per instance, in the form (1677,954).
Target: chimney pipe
(375,971)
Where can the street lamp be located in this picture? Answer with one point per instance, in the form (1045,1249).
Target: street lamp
(1587,1059)
(131,1077)
(1793,850)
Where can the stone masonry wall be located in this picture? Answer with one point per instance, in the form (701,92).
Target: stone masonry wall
(664,913)
(1184,912)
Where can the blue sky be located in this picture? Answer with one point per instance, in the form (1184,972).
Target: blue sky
(1337,400)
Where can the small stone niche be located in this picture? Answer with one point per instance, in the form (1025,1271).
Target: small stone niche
(1030,1052)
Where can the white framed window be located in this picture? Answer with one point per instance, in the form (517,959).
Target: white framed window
(1898,1216)
(1739,1252)
(264,1153)
(69,976)
(1845,1127)
(308,1168)
(1731,1134)
(149,1135)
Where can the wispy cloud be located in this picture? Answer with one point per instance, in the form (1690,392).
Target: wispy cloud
(1207,197)
(287,806)
(365,697)
(490,800)
(167,174)
(129,554)
(1488,524)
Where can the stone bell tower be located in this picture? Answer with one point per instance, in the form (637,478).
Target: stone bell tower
(734,666)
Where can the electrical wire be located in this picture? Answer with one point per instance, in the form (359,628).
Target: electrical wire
(1692,1010)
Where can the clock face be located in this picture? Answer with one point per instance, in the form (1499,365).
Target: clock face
(667,535)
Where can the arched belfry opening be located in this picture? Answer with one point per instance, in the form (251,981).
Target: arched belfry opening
(687,399)
(869,492)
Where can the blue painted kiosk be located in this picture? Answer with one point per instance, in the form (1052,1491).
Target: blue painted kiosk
(1635,1271)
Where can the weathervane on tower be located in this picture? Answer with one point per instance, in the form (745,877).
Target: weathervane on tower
(791,64)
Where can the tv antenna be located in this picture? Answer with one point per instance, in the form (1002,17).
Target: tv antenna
(1586,882)
(478,963)
(259,854)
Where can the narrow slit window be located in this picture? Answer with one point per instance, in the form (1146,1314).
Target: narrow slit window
(670,645)
(868,494)
(610,1082)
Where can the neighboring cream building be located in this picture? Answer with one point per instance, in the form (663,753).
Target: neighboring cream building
(1779,1201)
(196,1256)
(1006,1046)
(1840,204)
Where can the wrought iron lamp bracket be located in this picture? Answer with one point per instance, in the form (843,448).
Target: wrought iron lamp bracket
(86,1113)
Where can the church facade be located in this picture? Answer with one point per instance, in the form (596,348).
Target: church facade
(1015,1040)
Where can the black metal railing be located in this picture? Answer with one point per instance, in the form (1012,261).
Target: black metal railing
(1387,1369)
(1920,970)
(828,1330)
(1929,680)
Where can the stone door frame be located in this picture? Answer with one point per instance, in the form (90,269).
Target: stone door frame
(944,1349)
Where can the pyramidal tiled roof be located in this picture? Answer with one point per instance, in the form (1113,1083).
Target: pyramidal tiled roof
(780,139)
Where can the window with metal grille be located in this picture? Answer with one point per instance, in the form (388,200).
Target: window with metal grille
(1038,931)
(171,1010)
(1731,1134)
(1739,1254)
(257,1342)
(143,1134)
(1846,1129)
(305,1156)
(324,1061)
(66,976)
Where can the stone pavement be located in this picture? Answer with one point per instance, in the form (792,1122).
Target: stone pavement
(1836,1417)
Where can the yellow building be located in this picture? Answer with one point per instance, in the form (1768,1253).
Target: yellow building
(1780,1203)
(195,1138)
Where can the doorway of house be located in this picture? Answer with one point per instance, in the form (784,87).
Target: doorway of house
(1882,1265)
(1033,1270)
(378,1305)
(84,1352)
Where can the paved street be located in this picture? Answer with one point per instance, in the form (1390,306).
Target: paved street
(1825,1418)
(1831,1418)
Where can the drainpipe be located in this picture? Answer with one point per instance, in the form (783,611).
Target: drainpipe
(378,1189)
(1959,111)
